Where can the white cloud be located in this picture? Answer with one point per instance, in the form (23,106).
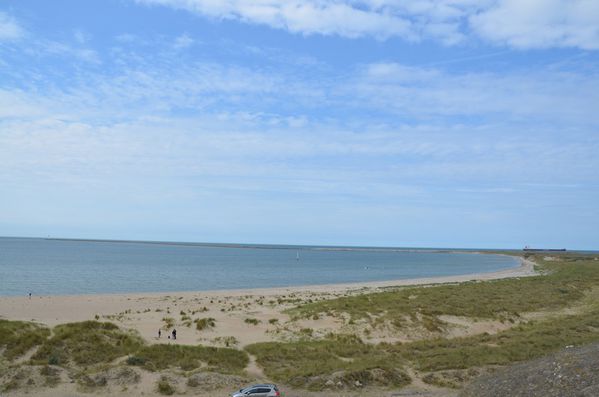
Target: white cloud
(127,38)
(183,41)
(9,27)
(542,95)
(122,143)
(80,36)
(348,19)
(540,23)
(156,115)
(517,23)
(62,49)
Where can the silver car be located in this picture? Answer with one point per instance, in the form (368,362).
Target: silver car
(265,390)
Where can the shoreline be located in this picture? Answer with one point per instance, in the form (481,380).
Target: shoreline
(245,316)
(525,268)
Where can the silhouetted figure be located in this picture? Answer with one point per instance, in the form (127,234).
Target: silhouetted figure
(174,334)
(159,333)
(30,295)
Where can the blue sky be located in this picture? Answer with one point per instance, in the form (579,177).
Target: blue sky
(455,123)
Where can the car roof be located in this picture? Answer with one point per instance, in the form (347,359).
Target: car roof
(271,385)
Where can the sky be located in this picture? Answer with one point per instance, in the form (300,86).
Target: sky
(416,123)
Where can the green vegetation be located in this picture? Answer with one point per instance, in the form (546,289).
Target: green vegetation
(204,323)
(99,343)
(18,337)
(169,322)
(253,321)
(568,281)
(217,359)
(10,385)
(88,342)
(135,360)
(504,299)
(226,340)
(164,387)
(51,375)
(294,363)
(523,342)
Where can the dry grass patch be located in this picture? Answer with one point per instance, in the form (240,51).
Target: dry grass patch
(217,359)
(18,337)
(86,343)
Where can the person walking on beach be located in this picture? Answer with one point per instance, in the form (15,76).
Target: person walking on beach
(30,296)
(159,333)
(174,334)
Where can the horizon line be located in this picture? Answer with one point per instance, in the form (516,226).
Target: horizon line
(277,245)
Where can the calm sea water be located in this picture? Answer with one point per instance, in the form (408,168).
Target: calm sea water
(61,267)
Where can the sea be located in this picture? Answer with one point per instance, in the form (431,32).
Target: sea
(73,267)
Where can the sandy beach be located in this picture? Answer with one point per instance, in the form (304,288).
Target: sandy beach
(239,318)
(146,312)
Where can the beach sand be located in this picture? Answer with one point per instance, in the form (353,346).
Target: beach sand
(146,312)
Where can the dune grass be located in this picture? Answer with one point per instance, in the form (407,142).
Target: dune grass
(293,362)
(567,282)
(91,343)
(522,342)
(18,337)
(164,387)
(504,299)
(310,363)
(159,357)
(86,343)
(205,323)
(252,321)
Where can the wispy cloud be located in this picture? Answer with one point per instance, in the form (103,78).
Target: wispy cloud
(516,23)
(80,36)
(380,93)
(47,47)
(115,131)
(348,19)
(183,41)
(10,29)
(540,24)
(542,94)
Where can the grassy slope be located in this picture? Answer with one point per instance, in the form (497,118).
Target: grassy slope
(89,343)
(566,284)
(17,337)
(85,343)
(308,363)
(223,360)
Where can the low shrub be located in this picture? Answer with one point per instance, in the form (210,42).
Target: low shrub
(204,323)
(164,387)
